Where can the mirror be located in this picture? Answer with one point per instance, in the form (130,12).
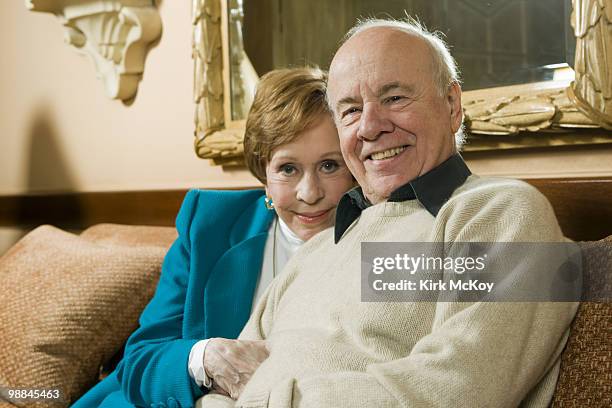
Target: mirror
(515,57)
(243,76)
(495,43)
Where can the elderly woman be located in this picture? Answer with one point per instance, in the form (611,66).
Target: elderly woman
(230,246)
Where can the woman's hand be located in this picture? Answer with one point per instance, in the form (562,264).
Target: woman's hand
(230,363)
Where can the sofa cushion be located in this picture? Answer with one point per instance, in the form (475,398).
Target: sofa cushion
(585,379)
(130,235)
(70,302)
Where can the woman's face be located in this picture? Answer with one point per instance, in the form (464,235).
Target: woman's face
(307,177)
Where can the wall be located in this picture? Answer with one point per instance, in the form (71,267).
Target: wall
(557,162)
(59,132)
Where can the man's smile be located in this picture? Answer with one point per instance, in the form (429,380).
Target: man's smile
(386,154)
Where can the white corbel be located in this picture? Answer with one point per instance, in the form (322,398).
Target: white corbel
(115,34)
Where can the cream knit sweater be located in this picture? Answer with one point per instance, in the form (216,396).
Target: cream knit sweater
(329,349)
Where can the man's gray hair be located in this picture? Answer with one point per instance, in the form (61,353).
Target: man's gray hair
(444,65)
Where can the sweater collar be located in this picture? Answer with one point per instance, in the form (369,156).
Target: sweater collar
(432,190)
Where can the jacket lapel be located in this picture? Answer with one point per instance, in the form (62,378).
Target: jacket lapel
(229,292)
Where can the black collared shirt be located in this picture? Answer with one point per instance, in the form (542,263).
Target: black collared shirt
(432,189)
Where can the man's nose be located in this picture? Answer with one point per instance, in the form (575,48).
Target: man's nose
(309,189)
(373,122)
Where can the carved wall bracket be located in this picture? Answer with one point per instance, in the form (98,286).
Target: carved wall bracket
(115,34)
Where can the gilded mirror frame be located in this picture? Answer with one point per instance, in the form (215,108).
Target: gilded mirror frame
(548,113)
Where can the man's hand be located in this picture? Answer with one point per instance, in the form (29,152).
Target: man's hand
(230,363)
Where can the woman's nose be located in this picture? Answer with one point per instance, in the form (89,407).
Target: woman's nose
(309,189)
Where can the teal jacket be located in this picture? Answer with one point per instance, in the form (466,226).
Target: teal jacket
(205,290)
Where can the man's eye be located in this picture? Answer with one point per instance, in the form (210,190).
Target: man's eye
(350,111)
(329,166)
(394,98)
(287,169)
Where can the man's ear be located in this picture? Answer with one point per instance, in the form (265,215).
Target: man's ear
(456,110)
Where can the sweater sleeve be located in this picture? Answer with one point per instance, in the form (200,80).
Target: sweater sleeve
(154,369)
(482,355)
(477,354)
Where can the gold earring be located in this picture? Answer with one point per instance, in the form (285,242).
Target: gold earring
(269,203)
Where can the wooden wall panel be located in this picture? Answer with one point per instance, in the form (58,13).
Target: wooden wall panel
(81,210)
(583,207)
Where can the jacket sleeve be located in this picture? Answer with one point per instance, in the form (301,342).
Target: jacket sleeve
(154,369)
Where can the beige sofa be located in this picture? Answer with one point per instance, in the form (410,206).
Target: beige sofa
(70,301)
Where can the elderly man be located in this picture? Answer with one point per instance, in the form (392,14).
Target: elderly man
(394,93)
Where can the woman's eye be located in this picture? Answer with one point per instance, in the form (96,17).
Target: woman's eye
(287,169)
(329,166)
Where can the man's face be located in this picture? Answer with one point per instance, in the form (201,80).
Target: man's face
(393,123)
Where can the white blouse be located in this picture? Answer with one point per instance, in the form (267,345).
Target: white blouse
(286,245)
